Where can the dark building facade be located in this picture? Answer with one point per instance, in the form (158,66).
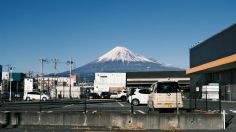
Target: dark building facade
(0,74)
(214,61)
(146,79)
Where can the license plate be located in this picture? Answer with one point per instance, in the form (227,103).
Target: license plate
(168,105)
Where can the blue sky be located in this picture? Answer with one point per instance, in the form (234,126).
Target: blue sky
(86,29)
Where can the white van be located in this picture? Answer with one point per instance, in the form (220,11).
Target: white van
(139,96)
(165,95)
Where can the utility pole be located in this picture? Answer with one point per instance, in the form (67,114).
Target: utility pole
(11,79)
(42,81)
(70,62)
(55,61)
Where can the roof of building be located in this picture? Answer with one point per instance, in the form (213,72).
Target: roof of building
(232,27)
(157,74)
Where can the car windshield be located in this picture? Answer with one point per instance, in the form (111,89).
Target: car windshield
(168,87)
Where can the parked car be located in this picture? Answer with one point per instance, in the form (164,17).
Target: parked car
(139,96)
(120,95)
(6,95)
(19,95)
(93,96)
(35,96)
(105,95)
(165,95)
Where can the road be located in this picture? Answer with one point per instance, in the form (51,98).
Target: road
(109,105)
(69,105)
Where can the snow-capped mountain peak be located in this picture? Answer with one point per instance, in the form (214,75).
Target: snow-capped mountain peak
(123,54)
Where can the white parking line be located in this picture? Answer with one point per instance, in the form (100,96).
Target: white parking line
(141,112)
(68,105)
(120,104)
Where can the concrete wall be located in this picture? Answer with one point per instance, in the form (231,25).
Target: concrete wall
(65,90)
(124,121)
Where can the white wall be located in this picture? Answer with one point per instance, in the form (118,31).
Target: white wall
(75,92)
(5,75)
(104,81)
(28,85)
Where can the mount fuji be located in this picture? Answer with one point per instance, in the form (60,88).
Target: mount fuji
(120,59)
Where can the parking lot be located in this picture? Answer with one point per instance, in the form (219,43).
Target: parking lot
(95,105)
(71,105)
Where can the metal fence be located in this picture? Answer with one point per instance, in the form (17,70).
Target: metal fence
(228,92)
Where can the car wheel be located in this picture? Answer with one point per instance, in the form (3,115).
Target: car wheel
(123,98)
(27,99)
(44,99)
(135,102)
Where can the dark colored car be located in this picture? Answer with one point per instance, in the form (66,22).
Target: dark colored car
(105,95)
(93,96)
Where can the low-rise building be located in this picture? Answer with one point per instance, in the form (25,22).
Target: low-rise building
(112,82)
(146,79)
(214,61)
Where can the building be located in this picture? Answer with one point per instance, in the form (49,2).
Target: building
(0,73)
(146,79)
(214,61)
(0,78)
(49,82)
(109,82)
(28,85)
(59,87)
(112,82)
(17,84)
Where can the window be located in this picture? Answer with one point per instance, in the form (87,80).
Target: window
(144,91)
(168,87)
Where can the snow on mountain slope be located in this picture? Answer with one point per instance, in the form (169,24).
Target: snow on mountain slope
(123,54)
(120,59)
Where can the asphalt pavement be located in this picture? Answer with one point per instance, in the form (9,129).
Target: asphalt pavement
(81,105)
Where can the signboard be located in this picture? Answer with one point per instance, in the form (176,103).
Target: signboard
(197,89)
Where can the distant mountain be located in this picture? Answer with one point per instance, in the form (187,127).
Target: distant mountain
(120,59)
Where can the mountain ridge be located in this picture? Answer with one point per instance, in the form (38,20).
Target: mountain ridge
(120,59)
